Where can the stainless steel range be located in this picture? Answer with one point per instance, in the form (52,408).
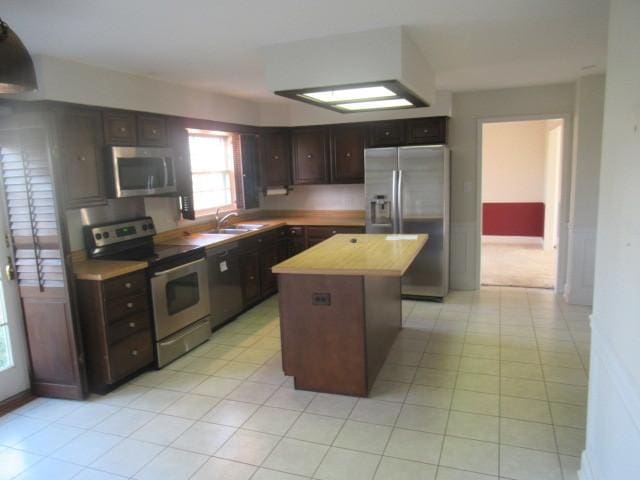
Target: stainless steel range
(178,279)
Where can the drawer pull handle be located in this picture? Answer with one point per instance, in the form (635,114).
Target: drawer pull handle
(333,232)
(309,156)
(426,130)
(134,353)
(387,133)
(252,278)
(259,240)
(130,305)
(132,324)
(123,129)
(154,131)
(127,285)
(348,154)
(276,157)
(82,158)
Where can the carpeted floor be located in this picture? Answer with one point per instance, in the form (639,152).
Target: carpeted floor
(517,265)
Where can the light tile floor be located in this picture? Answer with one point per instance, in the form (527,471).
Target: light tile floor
(488,385)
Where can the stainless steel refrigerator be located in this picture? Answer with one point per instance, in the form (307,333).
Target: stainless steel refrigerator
(407,191)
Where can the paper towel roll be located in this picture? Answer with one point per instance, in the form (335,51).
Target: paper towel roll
(276,191)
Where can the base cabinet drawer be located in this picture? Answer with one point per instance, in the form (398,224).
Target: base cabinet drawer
(128,326)
(131,354)
(115,316)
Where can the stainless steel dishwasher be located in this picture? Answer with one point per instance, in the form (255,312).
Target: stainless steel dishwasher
(225,284)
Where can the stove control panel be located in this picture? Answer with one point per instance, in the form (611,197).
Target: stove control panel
(104,235)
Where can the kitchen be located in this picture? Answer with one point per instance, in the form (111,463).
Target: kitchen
(280,289)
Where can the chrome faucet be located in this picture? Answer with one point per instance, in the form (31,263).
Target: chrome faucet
(220,221)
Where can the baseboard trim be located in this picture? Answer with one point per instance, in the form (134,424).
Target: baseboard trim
(512,239)
(15,401)
(586,471)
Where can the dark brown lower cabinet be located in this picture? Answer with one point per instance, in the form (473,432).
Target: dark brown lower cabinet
(268,258)
(116,322)
(250,273)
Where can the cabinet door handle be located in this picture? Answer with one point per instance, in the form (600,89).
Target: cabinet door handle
(276,157)
(387,133)
(130,305)
(132,324)
(134,353)
(252,278)
(309,155)
(154,131)
(82,158)
(127,285)
(259,240)
(348,154)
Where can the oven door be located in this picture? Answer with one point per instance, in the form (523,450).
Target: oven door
(180,297)
(142,171)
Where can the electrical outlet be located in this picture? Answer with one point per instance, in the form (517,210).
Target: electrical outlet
(323,299)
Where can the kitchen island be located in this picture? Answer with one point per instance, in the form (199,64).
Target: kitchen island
(341,309)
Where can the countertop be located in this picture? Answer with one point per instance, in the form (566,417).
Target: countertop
(370,255)
(105,269)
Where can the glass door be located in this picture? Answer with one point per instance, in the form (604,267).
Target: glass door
(14,367)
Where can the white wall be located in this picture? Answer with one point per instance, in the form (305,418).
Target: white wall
(613,419)
(587,148)
(513,161)
(68,81)
(468,109)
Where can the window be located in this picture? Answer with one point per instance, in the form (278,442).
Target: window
(213,170)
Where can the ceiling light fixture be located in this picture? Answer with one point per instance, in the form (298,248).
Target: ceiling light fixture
(16,67)
(383,95)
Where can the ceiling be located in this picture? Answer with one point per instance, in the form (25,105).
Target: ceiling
(215,45)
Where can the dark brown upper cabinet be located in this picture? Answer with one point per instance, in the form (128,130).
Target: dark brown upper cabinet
(310,155)
(275,157)
(347,154)
(250,170)
(422,131)
(119,128)
(81,156)
(386,134)
(178,140)
(152,130)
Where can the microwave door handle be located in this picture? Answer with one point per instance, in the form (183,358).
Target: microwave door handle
(179,267)
(166,172)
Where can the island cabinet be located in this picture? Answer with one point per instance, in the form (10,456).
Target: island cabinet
(115,315)
(274,152)
(341,310)
(310,155)
(347,153)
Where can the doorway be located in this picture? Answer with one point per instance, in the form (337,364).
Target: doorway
(520,199)
(14,371)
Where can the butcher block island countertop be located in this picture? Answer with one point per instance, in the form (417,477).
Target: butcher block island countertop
(341,309)
(357,254)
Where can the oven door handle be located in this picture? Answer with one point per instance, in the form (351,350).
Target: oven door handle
(179,267)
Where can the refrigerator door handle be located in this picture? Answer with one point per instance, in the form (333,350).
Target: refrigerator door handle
(400,195)
(394,201)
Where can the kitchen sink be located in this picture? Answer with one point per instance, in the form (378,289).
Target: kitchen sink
(251,226)
(228,231)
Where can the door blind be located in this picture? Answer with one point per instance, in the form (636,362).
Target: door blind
(29,192)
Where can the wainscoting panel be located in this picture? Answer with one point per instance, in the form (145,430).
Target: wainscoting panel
(580,266)
(463,256)
(613,419)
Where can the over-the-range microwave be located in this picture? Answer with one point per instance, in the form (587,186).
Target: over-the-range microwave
(140,171)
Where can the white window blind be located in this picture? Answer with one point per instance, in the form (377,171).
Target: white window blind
(212,171)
